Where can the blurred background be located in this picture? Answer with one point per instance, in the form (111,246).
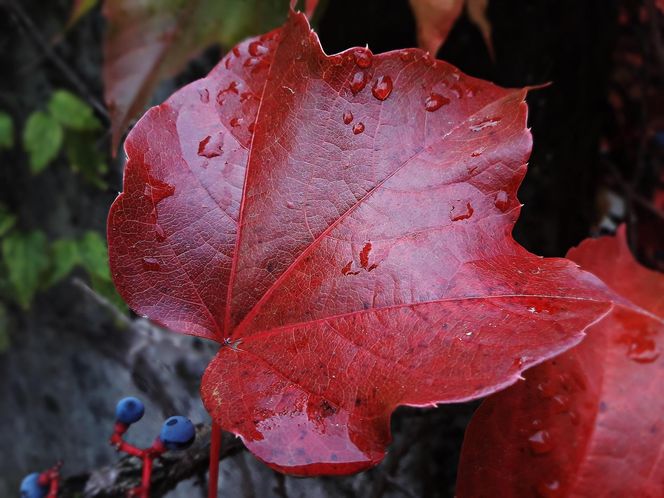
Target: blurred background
(69,348)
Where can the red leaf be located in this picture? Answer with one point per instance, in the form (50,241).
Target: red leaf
(150,40)
(362,267)
(436,18)
(589,422)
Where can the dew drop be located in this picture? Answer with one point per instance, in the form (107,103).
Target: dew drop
(358,128)
(251,62)
(151,264)
(461,210)
(235,122)
(502,200)
(486,123)
(477,153)
(251,127)
(348,117)
(549,489)
(435,101)
(641,348)
(560,403)
(256,49)
(210,147)
(236,51)
(358,82)
(363,57)
(540,442)
(159,233)
(546,389)
(204,95)
(405,56)
(382,87)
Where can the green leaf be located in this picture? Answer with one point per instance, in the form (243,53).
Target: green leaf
(7,220)
(85,158)
(27,259)
(4,329)
(6,131)
(64,254)
(94,255)
(71,112)
(42,139)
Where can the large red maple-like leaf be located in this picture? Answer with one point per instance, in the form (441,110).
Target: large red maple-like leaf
(590,422)
(348,219)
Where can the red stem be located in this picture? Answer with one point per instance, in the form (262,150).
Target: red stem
(215,451)
(146,455)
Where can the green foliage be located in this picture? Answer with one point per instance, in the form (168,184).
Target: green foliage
(6,131)
(71,112)
(91,254)
(64,256)
(94,255)
(85,158)
(7,220)
(26,257)
(42,139)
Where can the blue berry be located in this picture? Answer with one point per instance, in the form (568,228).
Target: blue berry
(129,410)
(30,487)
(177,433)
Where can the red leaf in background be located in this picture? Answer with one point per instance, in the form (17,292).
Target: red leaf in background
(589,422)
(150,40)
(436,18)
(347,218)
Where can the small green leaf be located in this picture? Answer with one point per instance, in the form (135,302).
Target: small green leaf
(7,220)
(4,329)
(64,254)
(71,112)
(42,139)
(6,131)
(94,255)
(26,258)
(85,158)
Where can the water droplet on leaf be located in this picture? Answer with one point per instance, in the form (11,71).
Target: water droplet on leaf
(461,210)
(502,200)
(150,264)
(435,101)
(256,49)
(358,82)
(348,117)
(363,57)
(210,147)
(204,95)
(540,442)
(358,128)
(382,87)
(486,123)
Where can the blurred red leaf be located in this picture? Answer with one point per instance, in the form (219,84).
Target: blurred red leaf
(589,422)
(342,225)
(435,19)
(151,40)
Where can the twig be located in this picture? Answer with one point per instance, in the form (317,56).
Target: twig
(22,18)
(169,471)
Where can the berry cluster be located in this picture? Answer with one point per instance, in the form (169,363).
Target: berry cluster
(177,433)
